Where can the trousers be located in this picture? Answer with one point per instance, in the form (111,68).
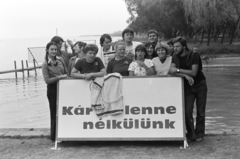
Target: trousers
(196,93)
(52,99)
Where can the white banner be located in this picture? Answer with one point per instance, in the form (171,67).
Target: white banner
(153,110)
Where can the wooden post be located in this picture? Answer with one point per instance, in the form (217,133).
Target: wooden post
(15,66)
(22,68)
(27,67)
(34,67)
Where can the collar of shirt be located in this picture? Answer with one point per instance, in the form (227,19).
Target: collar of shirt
(110,50)
(51,61)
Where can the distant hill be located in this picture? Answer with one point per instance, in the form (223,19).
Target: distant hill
(88,35)
(116,33)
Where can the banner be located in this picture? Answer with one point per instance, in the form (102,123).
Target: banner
(153,110)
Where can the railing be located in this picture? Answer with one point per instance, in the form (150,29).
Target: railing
(23,69)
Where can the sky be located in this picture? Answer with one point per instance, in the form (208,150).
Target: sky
(41,18)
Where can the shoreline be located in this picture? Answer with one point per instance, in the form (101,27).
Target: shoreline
(221,62)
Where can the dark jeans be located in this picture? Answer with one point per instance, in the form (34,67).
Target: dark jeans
(196,92)
(52,99)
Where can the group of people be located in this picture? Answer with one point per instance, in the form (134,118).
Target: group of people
(131,58)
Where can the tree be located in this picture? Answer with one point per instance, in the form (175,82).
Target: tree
(186,17)
(165,16)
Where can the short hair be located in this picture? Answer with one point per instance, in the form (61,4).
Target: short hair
(162,45)
(141,47)
(119,43)
(181,40)
(90,47)
(152,31)
(57,39)
(80,44)
(102,38)
(127,30)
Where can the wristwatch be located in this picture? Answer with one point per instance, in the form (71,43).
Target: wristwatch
(178,70)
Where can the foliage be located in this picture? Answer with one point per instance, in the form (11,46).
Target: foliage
(165,16)
(185,17)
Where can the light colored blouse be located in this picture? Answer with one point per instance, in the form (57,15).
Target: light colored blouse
(140,71)
(162,68)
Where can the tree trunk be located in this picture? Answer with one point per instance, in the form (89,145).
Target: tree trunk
(233,31)
(232,35)
(212,32)
(202,36)
(216,37)
(196,36)
(224,31)
(229,34)
(209,36)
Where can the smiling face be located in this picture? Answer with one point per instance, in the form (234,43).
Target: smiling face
(152,37)
(150,50)
(120,51)
(90,56)
(162,53)
(77,48)
(52,51)
(128,37)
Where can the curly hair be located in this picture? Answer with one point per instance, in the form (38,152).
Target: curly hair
(90,47)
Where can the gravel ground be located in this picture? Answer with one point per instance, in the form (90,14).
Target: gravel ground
(214,146)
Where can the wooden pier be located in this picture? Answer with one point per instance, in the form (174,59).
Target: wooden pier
(34,68)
